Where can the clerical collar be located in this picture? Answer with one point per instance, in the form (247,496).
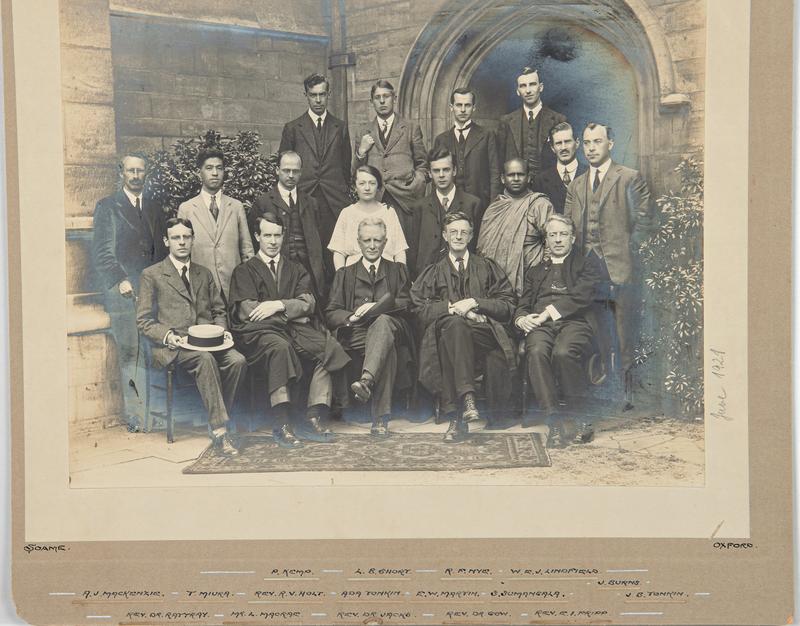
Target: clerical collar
(367,264)
(179,265)
(314,117)
(558,260)
(603,169)
(449,196)
(268,259)
(207,198)
(132,197)
(535,109)
(571,167)
(285,193)
(454,261)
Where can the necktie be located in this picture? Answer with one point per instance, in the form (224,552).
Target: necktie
(214,208)
(384,127)
(138,204)
(596,182)
(292,205)
(530,117)
(566,177)
(461,278)
(273,269)
(445,203)
(461,139)
(372,272)
(185,280)
(318,135)
(319,124)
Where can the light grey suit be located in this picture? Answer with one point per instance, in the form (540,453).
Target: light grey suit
(222,245)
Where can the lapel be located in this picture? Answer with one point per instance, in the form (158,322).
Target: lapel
(174,279)
(436,208)
(458,200)
(263,272)
(225,212)
(331,129)
(126,210)
(609,182)
(284,276)
(396,132)
(473,139)
(203,216)
(545,124)
(516,128)
(306,128)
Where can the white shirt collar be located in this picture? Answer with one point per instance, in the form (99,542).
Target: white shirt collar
(389,121)
(603,169)
(314,116)
(558,260)
(535,109)
(285,193)
(464,131)
(366,263)
(267,260)
(133,197)
(571,167)
(449,197)
(455,262)
(179,265)
(207,198)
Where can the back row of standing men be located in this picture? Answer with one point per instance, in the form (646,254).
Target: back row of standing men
(507,184)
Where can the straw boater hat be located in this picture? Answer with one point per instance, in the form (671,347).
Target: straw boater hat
(206,338)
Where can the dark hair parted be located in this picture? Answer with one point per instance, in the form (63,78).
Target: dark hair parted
(456,216)
(593,125)
(380,84)
(178,221)
(312,80)
(440,152)
(529,70)
(210,152)
(558,128)
(271,218)
(463,91)
(372,171)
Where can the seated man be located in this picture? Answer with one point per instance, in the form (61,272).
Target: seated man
(553,314)
(463,302)
(272,318)
(173,295)
(366,301)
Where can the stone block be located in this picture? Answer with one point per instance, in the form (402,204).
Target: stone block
(290,68)
(88,134)
(246,63)
(280,91)
(690,75)
(269,132)
(85,23)
(234,111)
(403,37)
(207,61)
(682,16)
(193,129)
(376,19)
(84,185)
(688,44)
(172,55)
(183,107)
(298,16)
(81,276)
(139,144)
(266,112)
(149,127)
(86,75)
(391,61)
(190,85)
(132,104)
(246,88)
(133,79)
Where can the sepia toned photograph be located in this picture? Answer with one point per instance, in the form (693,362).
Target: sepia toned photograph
(459,239)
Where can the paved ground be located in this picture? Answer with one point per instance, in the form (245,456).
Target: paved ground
(632,450)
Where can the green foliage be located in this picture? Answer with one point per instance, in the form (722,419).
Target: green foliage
(173,179)
(673,269)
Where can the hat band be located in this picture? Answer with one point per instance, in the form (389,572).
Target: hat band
(206,342)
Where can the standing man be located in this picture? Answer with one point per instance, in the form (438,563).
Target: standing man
(464,302)
(554,314)
(523,133)
(610,206)
(300,212)
(554,180)
(428,246)
(396,148)
(272,310)
(475,148)
(323,143)
(178,293)
(129,234)
(513,226)
(368,300)
(221,237)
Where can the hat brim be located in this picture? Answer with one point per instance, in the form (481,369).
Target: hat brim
(227,344)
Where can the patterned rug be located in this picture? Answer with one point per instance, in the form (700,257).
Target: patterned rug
(398,453)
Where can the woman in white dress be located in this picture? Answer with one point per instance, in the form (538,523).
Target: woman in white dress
(344,241)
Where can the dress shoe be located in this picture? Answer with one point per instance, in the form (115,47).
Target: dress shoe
(227,446)
(470,413)
(315,431)
(380,426)
(585,433)
(457,431)
(285,437)
(556,438)
(362,388)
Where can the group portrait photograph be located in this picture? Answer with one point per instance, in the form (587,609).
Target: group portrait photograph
(385,242)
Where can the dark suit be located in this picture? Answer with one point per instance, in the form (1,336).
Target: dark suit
(557,350)
(326,168)
(382,332)
(309,221)
(511,143)
(624,219)
(125,242)
(427,245)
(479,174)
(402,162)
(164,305)
(549,182)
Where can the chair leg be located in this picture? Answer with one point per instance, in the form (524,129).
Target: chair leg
(170,424)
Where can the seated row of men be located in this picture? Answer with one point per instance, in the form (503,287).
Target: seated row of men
(464,304)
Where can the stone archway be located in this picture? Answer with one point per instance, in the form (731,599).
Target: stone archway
(462,35)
